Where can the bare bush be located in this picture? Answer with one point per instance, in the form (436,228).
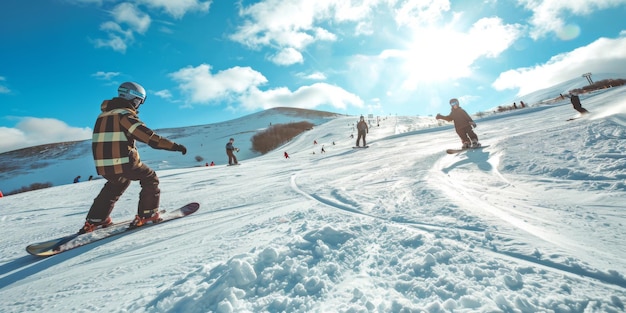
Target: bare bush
(276,135)
(33,186)
(602,84)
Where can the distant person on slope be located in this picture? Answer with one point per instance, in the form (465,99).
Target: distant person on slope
(575,100)
(463,124)
(230,149)
(117,159)
(362,129)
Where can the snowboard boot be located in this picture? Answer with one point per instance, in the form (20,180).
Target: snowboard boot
(466,145)
(475,144)
(91,225)
(143,220)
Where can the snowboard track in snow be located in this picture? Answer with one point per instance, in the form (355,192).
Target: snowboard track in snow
(612,278)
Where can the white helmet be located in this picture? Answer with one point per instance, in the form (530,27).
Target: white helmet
(133,92)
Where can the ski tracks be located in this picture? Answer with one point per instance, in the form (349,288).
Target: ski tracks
(343,202)
(471,190)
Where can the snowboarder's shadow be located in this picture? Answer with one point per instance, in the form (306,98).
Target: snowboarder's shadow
(478,157)
(26,266)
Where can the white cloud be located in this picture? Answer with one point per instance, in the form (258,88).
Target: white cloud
(105,75)
(4,89)
(32,131)
(290,24)
(313,76)
(178,8)
(421,13)
(307,97)
(204,87)
(128,19)
(118,37)
(601,56)
(127,13)
(549,15)
(165,94)
(240,85)
(287,56)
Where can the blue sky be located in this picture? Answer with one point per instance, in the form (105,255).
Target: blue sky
(209,61)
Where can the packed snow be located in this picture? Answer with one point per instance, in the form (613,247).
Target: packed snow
(535,222)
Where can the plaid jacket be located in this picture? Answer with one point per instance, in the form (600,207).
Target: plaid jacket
(114,135)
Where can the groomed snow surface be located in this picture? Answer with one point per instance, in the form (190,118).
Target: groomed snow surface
(536,222)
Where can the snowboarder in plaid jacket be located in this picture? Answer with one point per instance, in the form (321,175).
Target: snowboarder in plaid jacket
(117,159)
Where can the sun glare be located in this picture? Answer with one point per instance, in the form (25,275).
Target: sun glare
(434,55)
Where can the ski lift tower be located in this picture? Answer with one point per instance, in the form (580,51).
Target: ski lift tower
(588,77)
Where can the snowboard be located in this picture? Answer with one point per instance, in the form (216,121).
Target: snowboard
(576,117)
(364,147)
(69,242)
(454,151)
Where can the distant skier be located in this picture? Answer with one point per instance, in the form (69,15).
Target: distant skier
(117,160)
(575,100)
(77,179)
(362,128)
(463,124)
(230,149)
(323,150)
(286,155)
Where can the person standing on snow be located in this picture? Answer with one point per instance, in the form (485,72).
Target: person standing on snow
(232,159)
(117,160)
(463,124)
(362,129)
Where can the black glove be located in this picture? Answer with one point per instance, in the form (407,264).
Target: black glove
(180,148)
(473,124)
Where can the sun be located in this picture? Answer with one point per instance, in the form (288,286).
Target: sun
(434,55)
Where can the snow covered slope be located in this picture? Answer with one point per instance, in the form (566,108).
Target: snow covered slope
(533,223)
(59,164)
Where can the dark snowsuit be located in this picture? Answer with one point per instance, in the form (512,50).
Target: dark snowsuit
(117,159)
(232,159)
(462,124)
(575,100)
(362,129)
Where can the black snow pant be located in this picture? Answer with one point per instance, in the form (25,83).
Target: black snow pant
(232,159)
(149,196)
(579,108)
(358,138)
(467,134)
